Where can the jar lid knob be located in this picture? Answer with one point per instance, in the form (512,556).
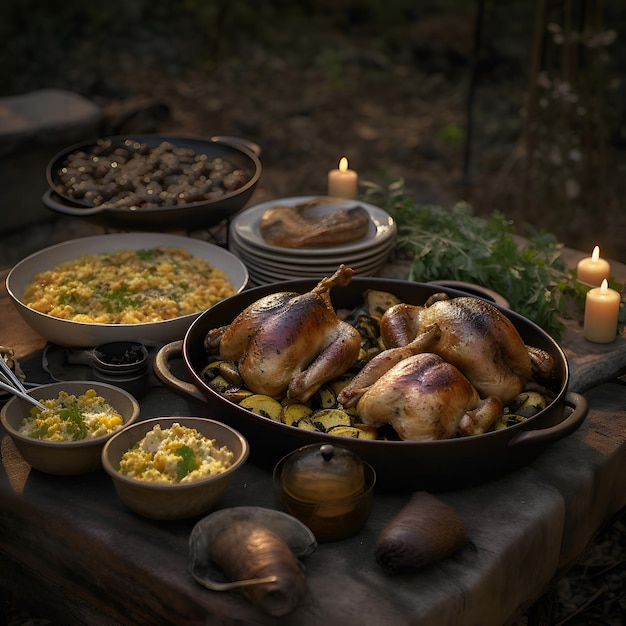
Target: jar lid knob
(327,451)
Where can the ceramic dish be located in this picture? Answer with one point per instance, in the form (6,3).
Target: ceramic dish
(79,334)
(246,226)
(67,458)
(169,501)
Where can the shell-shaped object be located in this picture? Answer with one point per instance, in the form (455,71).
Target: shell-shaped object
(254,550)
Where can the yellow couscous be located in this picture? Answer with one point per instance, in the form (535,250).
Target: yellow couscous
(128,287)
(175,455)
(72,418)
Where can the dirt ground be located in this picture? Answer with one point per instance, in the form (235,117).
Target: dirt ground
(421,114)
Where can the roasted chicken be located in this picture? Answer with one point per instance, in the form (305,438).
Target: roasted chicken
(425,398)
(474,336)
(290,342)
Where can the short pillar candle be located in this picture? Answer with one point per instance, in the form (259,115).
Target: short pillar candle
(343,182)
(592,270)
(601,314)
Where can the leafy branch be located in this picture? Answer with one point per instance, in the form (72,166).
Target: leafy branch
(454,244)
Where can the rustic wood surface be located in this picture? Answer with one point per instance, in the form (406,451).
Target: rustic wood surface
(93,561)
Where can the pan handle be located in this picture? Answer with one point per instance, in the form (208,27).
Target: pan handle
(564,428)
(51,203)
(163,372)
(238,142)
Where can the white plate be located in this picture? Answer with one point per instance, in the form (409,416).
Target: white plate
(317,267)
(377,247)
(82,334)
(260,277)
(246,225)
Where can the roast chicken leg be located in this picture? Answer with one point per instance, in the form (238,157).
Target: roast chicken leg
(474,336)
(290,342)
(425,398)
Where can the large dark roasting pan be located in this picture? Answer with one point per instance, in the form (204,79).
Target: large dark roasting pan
(433,465)
(241,153)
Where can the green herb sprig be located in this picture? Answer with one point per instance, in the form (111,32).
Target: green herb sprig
(454,244)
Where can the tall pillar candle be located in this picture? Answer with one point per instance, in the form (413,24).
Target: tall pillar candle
(601,314)
(592,269)
(343,182)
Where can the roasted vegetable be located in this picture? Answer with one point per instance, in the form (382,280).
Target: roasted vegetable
(291,414)
(325,420)
(358,431)
(324,398)
(425,531)
(262,405)
(248,551)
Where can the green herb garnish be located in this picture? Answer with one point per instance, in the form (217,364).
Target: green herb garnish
(188,462)
(77,425)
(454,244)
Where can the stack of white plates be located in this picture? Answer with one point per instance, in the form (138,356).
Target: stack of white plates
(268,263)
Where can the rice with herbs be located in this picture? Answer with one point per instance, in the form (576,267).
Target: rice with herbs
(128,287)
(72,418)
(175,455)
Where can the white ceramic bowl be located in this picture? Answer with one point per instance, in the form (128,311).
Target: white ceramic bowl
(81,334)
(67,458)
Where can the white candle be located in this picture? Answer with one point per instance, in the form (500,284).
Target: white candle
(601,313)
(592,269)
(343,182)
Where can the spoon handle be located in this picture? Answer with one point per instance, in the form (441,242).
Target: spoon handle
(10,374)
(22,395)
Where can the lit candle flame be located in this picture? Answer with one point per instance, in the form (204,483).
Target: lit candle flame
(343,166)
(604,287)
(595,255)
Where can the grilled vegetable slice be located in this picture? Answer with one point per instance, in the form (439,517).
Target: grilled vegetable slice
(293,413)
(324,398)
(327,418)
(265,406)
(356,432)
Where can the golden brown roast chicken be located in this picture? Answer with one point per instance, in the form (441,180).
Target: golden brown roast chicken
(474,336)
(425,398)
(289,341)
(449,367)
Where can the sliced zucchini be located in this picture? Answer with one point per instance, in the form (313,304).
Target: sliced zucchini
(360,431)
(306,424)
(324,398)
(366,431)
(227,370)
(327,418)
(262,405)
(291,414)
(220,384)
(237,395)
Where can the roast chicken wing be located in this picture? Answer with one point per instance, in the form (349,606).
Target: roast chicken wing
(290,342)
(474,336)
(425,398)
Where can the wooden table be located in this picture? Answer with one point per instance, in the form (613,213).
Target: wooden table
(68,544)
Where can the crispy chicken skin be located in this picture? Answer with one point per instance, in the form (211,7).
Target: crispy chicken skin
(424,398)
(289,342)
(475,337)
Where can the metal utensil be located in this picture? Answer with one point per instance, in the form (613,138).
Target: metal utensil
(11,383)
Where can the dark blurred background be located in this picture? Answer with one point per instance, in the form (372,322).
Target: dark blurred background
(513,105)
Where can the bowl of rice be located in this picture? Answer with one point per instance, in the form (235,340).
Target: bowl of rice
(170,468)
(67,438)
